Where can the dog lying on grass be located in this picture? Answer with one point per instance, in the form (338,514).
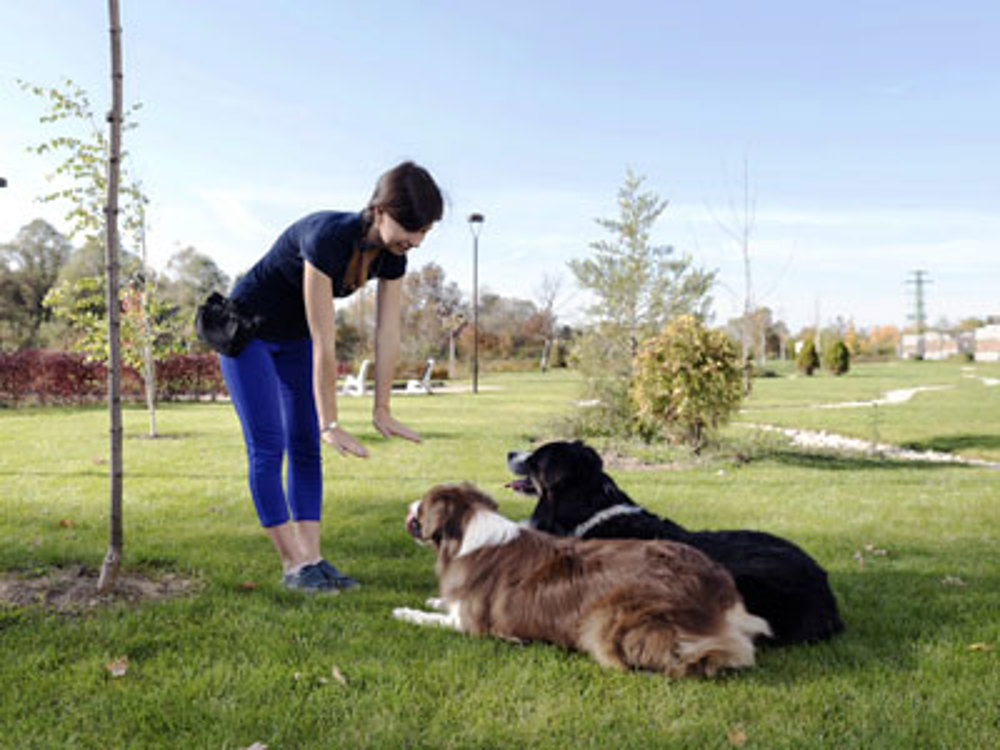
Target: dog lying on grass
(777,580)
(652,605)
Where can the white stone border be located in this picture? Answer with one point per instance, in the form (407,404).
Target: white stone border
(831,441)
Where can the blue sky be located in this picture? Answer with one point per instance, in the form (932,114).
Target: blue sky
(871,130)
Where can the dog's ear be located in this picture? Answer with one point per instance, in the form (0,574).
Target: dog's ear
(589,455)
(450,531)
(443,508)
(474,494)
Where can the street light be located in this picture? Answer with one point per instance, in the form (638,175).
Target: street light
(475,226)
(3,182)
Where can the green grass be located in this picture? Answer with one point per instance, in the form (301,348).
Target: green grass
(962,417)
(230,666)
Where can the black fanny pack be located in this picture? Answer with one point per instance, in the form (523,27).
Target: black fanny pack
(222,326)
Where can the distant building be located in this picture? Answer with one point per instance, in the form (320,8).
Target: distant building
(988,343)
(929,345)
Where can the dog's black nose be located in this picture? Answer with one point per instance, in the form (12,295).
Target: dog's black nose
(511,455)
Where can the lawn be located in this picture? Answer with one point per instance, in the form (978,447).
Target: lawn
(912,550)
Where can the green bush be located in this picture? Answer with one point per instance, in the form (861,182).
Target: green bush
(807,360)
(837,358)
(604,361)
(687,382)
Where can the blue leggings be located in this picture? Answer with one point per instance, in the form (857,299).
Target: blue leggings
(270,383)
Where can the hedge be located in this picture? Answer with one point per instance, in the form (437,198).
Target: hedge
(35,376)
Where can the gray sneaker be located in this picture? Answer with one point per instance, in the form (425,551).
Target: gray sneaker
(309,579)
(335,577)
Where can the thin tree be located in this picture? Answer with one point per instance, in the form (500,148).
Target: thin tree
(148,334)
(740,227)
(85,186)
(546,294)
(637,287)
(112,560)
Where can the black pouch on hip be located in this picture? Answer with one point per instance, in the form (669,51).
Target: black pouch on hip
(220,324)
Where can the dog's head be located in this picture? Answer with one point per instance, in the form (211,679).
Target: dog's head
(439,518)
(569,480)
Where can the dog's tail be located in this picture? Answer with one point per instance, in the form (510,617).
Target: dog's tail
(641,635)
(730,648)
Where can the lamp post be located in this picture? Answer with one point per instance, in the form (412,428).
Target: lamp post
(475,226)
(3,182)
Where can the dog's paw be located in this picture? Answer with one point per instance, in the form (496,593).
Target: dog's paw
(406,614)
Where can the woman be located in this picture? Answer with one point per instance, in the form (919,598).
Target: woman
(283,382)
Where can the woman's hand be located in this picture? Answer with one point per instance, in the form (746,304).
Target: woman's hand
(389,427)
(344,442)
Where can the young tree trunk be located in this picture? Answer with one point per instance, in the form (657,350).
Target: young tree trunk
(149,375)
(148,361)
(451,353)
(112,560)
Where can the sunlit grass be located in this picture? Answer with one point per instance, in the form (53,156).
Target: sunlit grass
(233,665)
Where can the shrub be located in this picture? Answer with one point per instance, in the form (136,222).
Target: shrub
(687,382)
(605,363)
(34,376)
(189,376)
(807,360)
(837,358)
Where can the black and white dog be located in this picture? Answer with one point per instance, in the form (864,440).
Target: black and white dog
(777,579)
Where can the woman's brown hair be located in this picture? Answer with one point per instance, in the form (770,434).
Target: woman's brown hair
(408,193)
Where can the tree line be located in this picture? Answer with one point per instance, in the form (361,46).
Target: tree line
(52,297)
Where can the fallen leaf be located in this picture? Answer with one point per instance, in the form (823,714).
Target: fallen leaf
(980,647)
(255,746)
(297,676)
(36,543)
(952,581)
(736,736)
(66,524)
(117,667)
(248,585)
(338,676)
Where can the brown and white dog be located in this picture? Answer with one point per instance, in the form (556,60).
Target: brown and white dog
(631,604)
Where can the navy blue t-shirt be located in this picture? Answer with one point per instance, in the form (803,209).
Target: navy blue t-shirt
(331,241)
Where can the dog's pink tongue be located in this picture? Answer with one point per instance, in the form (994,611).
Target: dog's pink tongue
(519,485)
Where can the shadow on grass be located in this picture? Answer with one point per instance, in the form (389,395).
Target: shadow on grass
(101,473)
(841,462)
(891,618)
(373,439)
(955,443)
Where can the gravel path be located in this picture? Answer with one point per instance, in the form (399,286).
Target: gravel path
(831,441)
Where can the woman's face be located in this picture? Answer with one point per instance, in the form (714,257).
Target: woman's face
(395,237)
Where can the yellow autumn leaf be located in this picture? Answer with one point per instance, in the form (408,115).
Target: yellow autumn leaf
(117,667)
(736,736)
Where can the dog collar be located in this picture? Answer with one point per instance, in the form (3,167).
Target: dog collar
(622,509)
